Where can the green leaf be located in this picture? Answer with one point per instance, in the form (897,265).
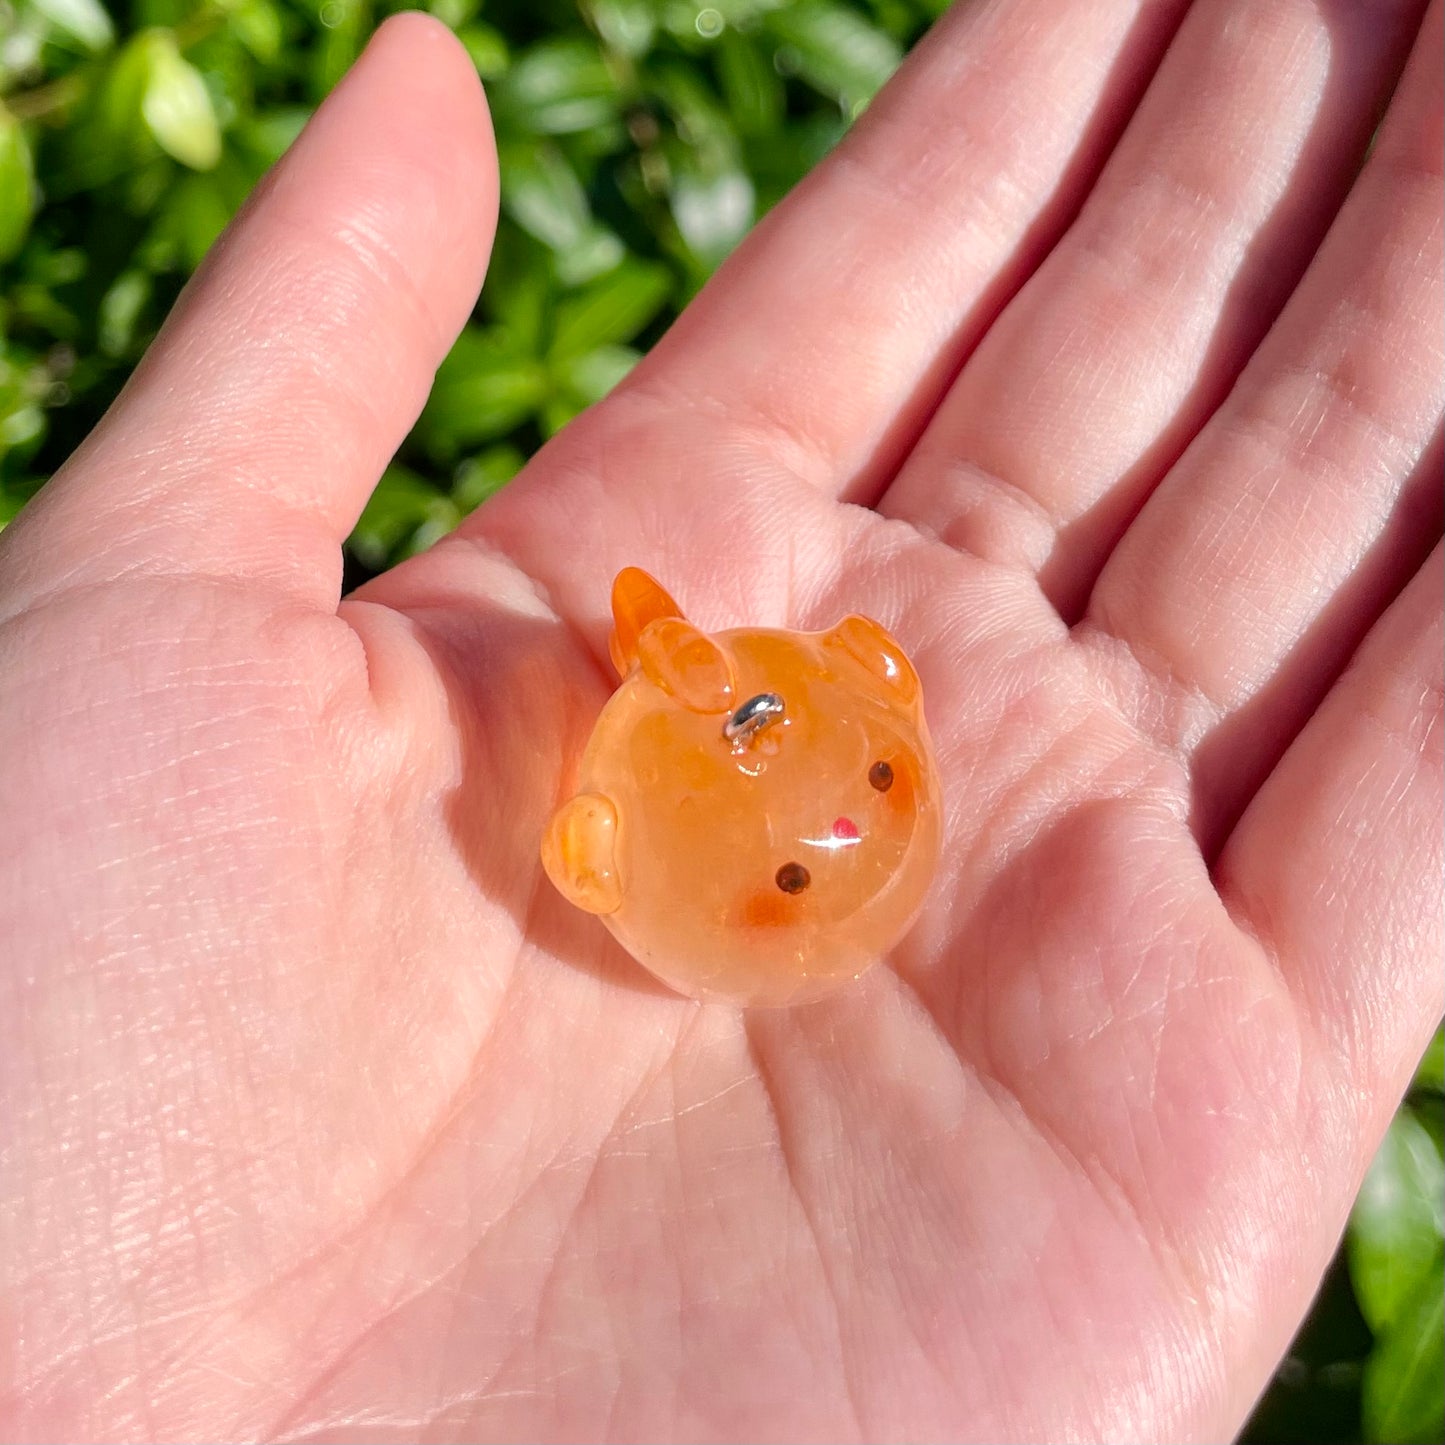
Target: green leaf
(520,304)
(1404,1384)
(162,12)
(17,185)
(598,251)
(836,51)
(35,306)
(405,513)
(268,136)
(147,182)
(698,118)
(713,209)
(583,380)
(487,48)
(1398,1221)
(484,388)
(83,20)
(557,87)
(20,427)
(110,133)
(346,26)
(690,19)
(192,216)
(589,378)
(778,161)
(612,309)
(751,85)
(120,310)
(14,495)
(177,106)
(257,25)
(1430,1076)
(542,194)
(557,411)
(625,25)
(60,268)
(453,13)
(480,476)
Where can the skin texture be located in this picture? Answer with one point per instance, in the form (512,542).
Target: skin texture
(325,1117)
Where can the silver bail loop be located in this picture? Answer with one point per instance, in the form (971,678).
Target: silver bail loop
(751,718)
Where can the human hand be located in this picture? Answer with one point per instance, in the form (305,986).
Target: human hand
(325,1118)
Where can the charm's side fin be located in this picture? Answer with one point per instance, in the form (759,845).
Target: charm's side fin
(579,852)
(637,599)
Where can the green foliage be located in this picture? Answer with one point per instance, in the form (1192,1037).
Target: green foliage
(1405,1375)
(1370,1363)
(640,140)
(1397,1261)
(1398,1227)
(17,185)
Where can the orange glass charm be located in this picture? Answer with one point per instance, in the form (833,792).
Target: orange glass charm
(758,817)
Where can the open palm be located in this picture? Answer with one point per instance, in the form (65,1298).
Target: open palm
(325,1118)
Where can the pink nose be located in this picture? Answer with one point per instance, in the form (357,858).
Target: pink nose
(845,828)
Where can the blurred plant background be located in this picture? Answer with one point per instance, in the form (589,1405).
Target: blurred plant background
(640,139)
(1369,1363)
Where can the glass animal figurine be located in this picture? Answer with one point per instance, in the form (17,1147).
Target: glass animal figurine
(758,817)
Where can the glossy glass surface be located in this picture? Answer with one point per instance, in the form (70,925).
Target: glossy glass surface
(770,867)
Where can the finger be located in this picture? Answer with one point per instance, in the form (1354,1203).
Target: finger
(1128,336)
(249,438)
(1336,864)
(831,331)
(1314,492)
(818,348)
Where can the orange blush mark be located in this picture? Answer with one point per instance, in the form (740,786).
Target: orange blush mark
(767,908)
(900,795)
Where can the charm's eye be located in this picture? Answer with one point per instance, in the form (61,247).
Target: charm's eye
(880,776)
(793,878)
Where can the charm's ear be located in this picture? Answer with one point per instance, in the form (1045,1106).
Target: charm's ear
(637,600)
(687,665)
(579,852)
(869,643)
